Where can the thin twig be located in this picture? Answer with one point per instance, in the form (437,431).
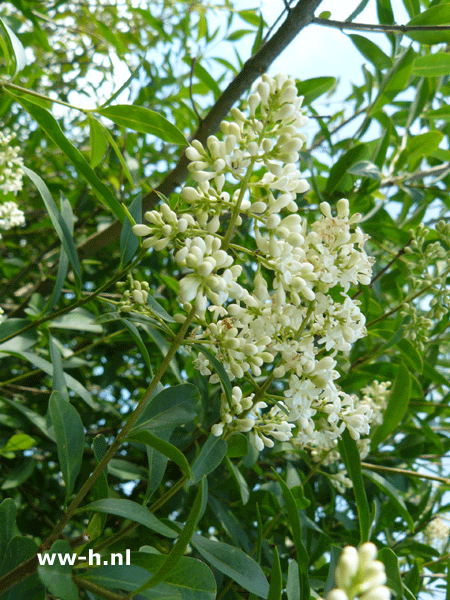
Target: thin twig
(406,472)
(375,27)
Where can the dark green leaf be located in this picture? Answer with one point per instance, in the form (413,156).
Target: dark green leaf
(144,120)
(17,51)
(127,509)
(242,484)
(372,52)
(352,461)
(59,380)
(210,457)
(436,15)
(69,434)
(365,168)
(396,408)
(276,578)
(388,489)
(411,355)
(394,579)
(234,563)
(129,243)
(134,332)
(8,521)
(167,449)
(340,168)
(237,445)
(58,577)
(19,550)
(53,130)
(315,87)
(99,141)
(223,376)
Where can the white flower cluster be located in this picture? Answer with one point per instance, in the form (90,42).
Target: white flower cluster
(292,319)
(437,533)
(359,574)
(11,172)
(375,396)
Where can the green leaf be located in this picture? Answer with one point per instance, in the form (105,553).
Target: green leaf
(134,332)
(35,418)
(158,310)
(371,52)
(210,457)
(437,15)
(127,509)
(242,484)
(71,382)
(182,542)
(420,145)
(296,527)
(366,168)
(99,141)
(167,449)
(394,579)
(390,491)
(18,475)
(340,168)
(222,374)
(144,120)
(58,577)
(129,243)
(19,550)
(203,75)
(8,521)
(358,10)
(432,65)
(234,563)
(411,355)
(237,445)
(276,578)
(293,581)
(384,11)
(53,130)
(128,471)
(59,380)
(396,407)
(170,408)
(352,461)
(18,53)
(58,222)
(395,81)
(435,376)
(69,433)
(312,88)
(18,443)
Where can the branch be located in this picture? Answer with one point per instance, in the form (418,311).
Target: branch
(299,17)
(378,28)
(406,472)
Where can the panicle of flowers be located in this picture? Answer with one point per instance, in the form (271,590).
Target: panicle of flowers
(359,574)
(437,533)
(429,266)
(292,320)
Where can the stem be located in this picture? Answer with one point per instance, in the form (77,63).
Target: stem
(96,589)
(13,86)
(378,28)
(405,472)
(26,568)
(235,213)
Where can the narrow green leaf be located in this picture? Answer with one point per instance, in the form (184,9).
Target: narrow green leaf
(166,448)
(134,332)
(394,578)
(170,408)
(340,168)
(58,577)
(210,457)
(395,81)
(358,10)
(53,130)
(432,65)
(366,168)
(313,88)
(435,376)
(388,489)
(18,52)
(396,407)
(69,433)
(296,527)
(58,223)
(144,120)
(158,310)
(293,581)
(276,578)
(207,79)
(223,376)
(129,243)
(436,15)
(242,484)
(234,563)
(127,509)
(20,549)
(121,159)
(59,380)
(8,521)
(35,418)
(99,142)
(371,52)
(352,461)
(182,542)
(411,355)
(71,382)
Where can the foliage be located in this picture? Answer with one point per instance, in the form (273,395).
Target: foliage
(115,430)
